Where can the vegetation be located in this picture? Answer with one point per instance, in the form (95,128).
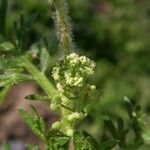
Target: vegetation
(70,85)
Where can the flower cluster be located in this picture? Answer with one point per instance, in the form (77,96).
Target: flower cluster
(70,75)
(73,71)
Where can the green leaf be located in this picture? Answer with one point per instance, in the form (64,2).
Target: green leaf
(35,123)
(61,141)
(110,126)
(129,106)
(90,138)
(26,117)
(32,147)
(44,59)
(37,97)
(6,46)
(3,93)
(120,123)
(121,132)
(8,79)
(12,79)
(22,29)
(38,120)
(11,63)
(3,11)
(84,143)
(108,145)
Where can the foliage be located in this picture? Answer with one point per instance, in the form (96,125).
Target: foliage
(74,97)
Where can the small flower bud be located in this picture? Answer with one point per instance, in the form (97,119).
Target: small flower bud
(56,125)
(54,106)
(87,109)
(69,132)
(79,82)
(89,71)
(93,87)
(55,73)
(66,101)
(59,87)
(56,99)
(74,116)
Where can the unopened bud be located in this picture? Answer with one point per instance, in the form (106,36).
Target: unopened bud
(69,132)
(54,106)
(56,125)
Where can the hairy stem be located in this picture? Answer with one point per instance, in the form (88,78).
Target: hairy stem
(59,11)
(49,89)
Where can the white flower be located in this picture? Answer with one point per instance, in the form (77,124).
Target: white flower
(55,73)
(93,87)
(69,132)
(79,82)
(72,56)
(56,125)
(74,116)
(59,87)
(73,71)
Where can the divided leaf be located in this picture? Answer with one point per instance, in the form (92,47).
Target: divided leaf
(129,106)
(35,122)
(84,143)
(37,97)
(6,47)
(108,145)
(12,79)
(22,28)
(121,132)
(61,143)
(110,126)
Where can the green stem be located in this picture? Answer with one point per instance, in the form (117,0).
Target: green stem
(63,27)
(39,77)
(49,89)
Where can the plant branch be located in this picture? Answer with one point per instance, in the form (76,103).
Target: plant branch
(60,16)
(39,77)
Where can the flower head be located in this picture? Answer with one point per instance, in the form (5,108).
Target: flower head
(73,71)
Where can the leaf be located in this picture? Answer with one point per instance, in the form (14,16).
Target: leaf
(90,138)
(121,132)
(27,118)
(3,93)
(120,123)
(110,126)
(44,59)
(8,79)
(35,123)
(61,141)
(32,147)
(6,46)
(81,142)
(12,79)
(38,120)
(3,11)
(108,145)
(22,29)
(37,97)
(10,63)
(129,106)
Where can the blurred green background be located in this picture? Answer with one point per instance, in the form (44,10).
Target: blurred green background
(114,33)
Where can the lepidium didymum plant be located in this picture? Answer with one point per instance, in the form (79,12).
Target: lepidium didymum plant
(71,97)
